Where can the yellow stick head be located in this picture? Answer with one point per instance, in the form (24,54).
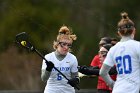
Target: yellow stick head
(23,43)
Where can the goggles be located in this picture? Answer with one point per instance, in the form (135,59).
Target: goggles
(62,44)
(103,53)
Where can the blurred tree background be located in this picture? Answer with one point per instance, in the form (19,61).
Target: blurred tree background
(41,19)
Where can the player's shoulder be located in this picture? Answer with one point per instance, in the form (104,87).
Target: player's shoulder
(134,43)
(71,55)
(113,48)
(130,43)
(49,54)
(96,56)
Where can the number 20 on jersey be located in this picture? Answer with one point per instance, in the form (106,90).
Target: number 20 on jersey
(124,64)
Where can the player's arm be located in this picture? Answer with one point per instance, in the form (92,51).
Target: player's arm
(95,70)
(104,73)
(89,70)
(75,75)
(74,69)
(46,70)
(75,80)
(45,75)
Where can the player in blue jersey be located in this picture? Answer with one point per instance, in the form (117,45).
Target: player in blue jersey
(64,61)
(126,56)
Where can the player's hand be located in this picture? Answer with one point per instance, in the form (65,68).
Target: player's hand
(74,82)
(50,66)
(83,69)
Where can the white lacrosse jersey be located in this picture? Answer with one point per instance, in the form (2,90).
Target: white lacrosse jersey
(56,82)
(126,56)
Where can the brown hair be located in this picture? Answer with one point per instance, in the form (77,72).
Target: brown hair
(114,41)
(125,25)
(64,33)
(107,46)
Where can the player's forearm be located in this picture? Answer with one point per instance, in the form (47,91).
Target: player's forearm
(89,70)
(93,72)
(75,75)
(104,74)
(45,75)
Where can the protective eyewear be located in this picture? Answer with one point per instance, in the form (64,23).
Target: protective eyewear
(103,53)
(62,44)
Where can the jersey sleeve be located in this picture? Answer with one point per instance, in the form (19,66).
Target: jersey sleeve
(43,62)
(74,66)
(109,59)
(95,61)
(138,50)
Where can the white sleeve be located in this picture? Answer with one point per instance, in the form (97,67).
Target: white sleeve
(109,59)
(44,63)
(104,74)
(74,66)
(138,50)
(44,74)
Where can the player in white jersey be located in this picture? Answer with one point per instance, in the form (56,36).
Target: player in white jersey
(64,61)
(126,56)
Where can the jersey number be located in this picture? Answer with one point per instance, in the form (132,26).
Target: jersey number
(59,77)
(124,64)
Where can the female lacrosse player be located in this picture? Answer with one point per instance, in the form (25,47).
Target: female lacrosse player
(93,69)
(126,56)
(64,61)
(101,86)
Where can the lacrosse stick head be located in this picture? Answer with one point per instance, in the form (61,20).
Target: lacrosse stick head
(22,39)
